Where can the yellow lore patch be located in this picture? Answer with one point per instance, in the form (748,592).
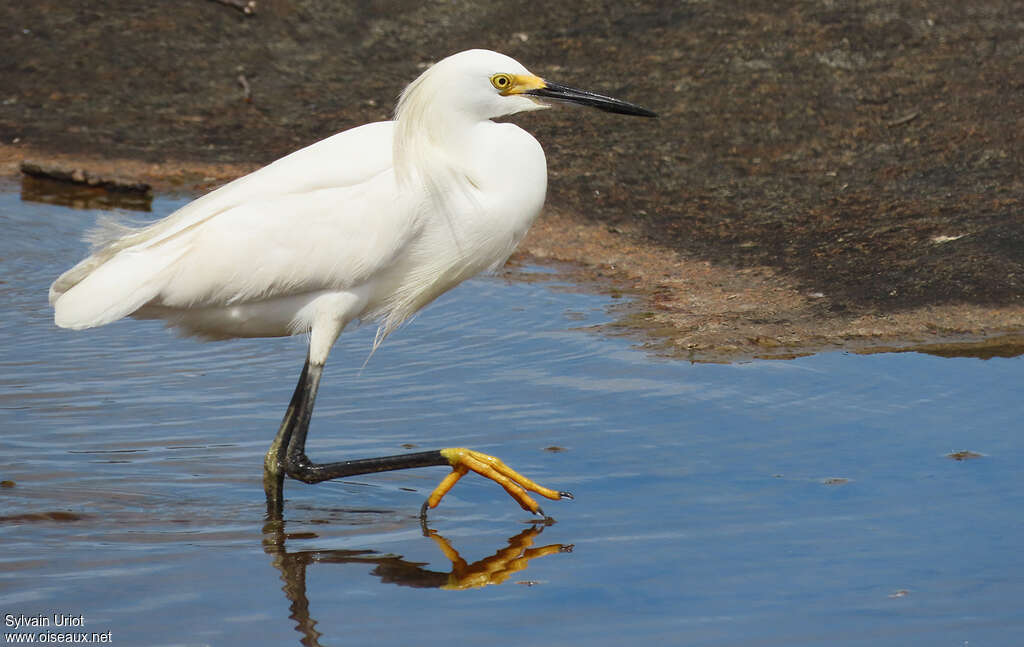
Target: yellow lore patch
(516,83)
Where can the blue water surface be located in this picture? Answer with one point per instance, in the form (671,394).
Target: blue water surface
(800,502)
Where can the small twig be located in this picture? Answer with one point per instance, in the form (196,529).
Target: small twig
(246,90)
(905,119)
(248,7)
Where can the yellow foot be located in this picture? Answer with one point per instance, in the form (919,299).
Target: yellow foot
(465,460)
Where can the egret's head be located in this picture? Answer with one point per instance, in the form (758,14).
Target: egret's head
(483,84)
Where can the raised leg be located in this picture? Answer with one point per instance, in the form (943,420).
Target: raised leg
(287,455)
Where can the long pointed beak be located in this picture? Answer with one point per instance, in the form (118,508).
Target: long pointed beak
(556,92)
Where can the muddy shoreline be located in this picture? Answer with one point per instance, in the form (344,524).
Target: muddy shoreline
(821,177)
(673,305)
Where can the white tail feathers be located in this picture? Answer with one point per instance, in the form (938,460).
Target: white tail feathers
(94,292)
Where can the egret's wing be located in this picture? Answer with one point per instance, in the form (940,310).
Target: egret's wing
(294,244)
(135,269)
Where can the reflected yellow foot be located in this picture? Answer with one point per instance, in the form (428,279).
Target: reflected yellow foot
(466,460)
(497,568)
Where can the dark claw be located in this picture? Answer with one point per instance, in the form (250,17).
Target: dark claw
(423,511)
(566,495)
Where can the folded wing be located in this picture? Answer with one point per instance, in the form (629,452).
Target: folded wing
(325,217)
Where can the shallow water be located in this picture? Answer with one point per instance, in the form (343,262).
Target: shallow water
(800,502)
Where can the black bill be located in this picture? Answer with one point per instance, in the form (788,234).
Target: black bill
(556,92)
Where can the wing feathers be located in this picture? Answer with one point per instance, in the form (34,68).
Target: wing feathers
(184,256)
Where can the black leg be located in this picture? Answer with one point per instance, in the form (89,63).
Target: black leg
(287,455)
(273,462)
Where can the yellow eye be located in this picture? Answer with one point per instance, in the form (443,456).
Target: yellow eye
(502,82)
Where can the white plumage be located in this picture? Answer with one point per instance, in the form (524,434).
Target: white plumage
(370,224)
(374,222)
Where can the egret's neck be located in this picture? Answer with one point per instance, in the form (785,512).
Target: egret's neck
(431,137)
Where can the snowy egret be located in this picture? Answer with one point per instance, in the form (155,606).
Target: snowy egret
(371,224)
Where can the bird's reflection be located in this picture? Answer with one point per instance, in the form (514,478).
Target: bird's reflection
(495,569)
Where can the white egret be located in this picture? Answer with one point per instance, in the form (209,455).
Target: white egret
(371,224)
